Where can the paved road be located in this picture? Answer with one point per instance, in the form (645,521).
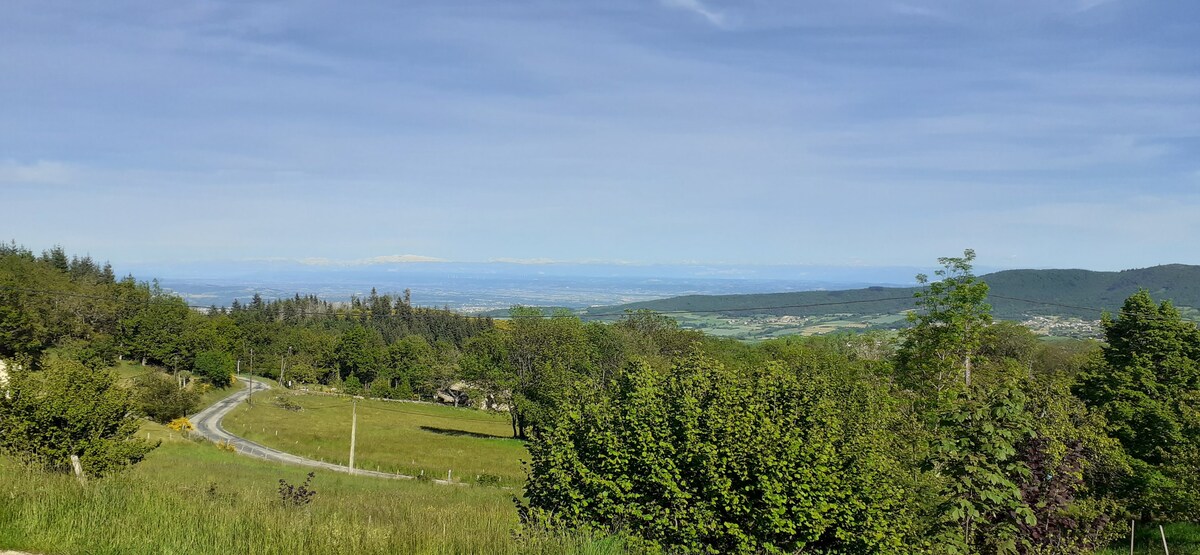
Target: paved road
(208,424)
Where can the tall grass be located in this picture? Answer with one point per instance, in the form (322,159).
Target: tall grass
(1183,539)
(190,498)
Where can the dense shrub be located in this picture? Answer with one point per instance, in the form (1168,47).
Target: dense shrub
(704,459)
(352,385)
(69,410)
(215,367)
(159,397)
(381,390)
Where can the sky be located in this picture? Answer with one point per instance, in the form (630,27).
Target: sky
(1041,133)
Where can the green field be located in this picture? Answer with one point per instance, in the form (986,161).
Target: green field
(405,438)
(189,497)
(1183,539)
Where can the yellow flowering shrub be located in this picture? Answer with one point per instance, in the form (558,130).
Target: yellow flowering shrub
(181,425)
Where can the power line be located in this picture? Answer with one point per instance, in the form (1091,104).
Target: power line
(1048,303)
(764,308)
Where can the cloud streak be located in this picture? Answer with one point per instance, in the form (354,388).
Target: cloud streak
(619,130)
(40,172)
(695,6)
(372,261)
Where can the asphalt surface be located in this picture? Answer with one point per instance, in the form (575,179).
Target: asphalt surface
(208,424)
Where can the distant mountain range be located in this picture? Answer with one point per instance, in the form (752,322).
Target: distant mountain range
(1014,295)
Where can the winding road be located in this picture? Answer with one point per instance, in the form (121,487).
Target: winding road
(208,425)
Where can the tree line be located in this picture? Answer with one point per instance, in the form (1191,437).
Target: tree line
(959,435)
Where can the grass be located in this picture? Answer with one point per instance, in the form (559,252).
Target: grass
(407,438)
(190,497)
(1182,538)
(127,370)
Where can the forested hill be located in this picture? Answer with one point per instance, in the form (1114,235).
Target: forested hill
(1071,293)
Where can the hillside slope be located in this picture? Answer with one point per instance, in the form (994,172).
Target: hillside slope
(1015,294)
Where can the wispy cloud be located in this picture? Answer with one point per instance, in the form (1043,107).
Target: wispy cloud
(918,11)
(698,8)
(1085,5)
(525,261)
(41,172)
(375,260)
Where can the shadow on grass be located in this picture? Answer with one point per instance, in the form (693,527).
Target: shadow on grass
(450,432)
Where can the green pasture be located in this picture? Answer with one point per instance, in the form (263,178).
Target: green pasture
(189,497)
(1182,539)
(399,437)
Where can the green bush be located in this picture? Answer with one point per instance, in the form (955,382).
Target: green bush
(67,409)
(215,367)
(381,390)
(352,386)
(159,397)
(709,460)
(490,480)
(303,373)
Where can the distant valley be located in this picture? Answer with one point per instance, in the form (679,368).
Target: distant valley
(1065,303)
(767,304)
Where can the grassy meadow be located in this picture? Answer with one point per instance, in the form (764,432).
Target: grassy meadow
(1182,539)
(190,497)
(406,438)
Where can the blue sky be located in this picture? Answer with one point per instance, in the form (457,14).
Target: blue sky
(1042,133)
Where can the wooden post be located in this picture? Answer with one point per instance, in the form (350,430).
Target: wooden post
(78,468)
(353,431)
(1164,538)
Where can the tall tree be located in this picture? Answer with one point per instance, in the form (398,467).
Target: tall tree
(359,353)
(1148,387)
(940,349)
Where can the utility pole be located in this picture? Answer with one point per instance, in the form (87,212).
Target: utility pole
(250,398)
(353,430)
(282,359)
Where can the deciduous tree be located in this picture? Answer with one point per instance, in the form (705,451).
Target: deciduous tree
(69,410)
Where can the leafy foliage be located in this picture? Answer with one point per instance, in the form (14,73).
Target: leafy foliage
(215,368)
(976,450)
(68,409)
(1147,387)
(159,397)
(296,496)
(940,350)
(704,459)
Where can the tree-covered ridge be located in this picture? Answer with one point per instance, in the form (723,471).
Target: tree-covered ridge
(1081,290)
(75,306)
